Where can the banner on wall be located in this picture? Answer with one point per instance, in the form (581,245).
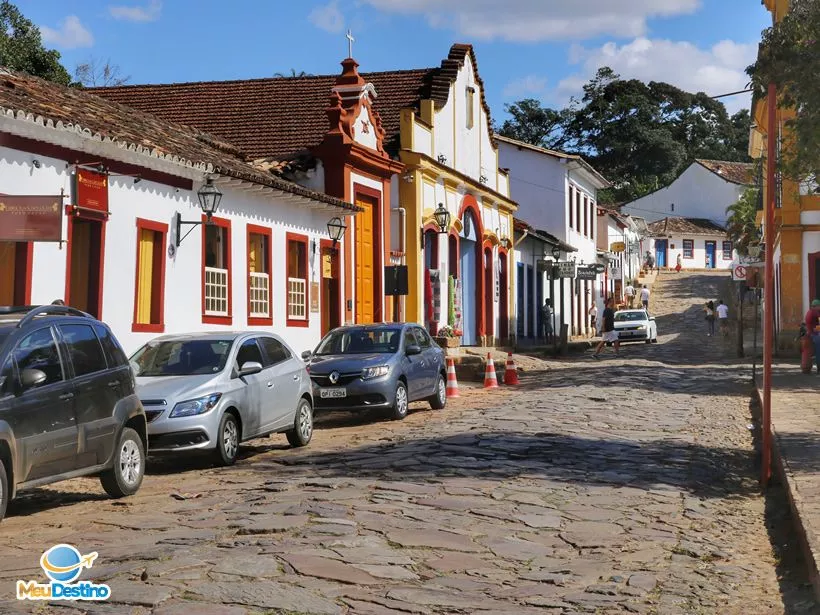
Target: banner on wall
(91,190)
(31,218)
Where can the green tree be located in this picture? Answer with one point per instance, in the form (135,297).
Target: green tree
(21,47)
(790,57)
(536,125)
(740,224)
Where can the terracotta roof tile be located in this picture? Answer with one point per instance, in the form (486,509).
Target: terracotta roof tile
(73,106)
(685,226)
(735,172)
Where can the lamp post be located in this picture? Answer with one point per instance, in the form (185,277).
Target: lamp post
(209,198)
(336,229)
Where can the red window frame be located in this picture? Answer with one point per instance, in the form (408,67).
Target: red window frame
(162,229)
(267,232)
(304,240)
(690,249)
(211,319)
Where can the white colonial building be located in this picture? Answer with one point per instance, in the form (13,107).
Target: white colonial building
(103,187)
(695,242)
(557,194)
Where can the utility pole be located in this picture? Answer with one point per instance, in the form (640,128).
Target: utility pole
(768,301)
(740,295)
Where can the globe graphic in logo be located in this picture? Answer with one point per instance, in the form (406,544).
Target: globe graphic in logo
(62,563)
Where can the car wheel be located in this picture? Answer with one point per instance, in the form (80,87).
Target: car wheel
(401,402)
(125,475)
(648,341)
(4,490)
(302,430)
(227,440)
(439,399)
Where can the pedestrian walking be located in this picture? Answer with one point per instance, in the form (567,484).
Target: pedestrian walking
(679,264)
(546,314)
(630,295)
(58,302)
(710,318)
(593,320)
(813,330)
(723,317)
(608,333)
(645,297)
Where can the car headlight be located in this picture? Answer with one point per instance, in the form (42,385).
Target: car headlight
(374,372)
(193,407)
(642,327)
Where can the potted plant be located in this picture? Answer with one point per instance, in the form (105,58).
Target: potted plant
(448,337)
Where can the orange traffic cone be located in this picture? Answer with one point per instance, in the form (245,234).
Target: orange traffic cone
(490,381)
(510,371)
(452,383)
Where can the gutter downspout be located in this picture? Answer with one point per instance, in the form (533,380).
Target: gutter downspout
(399,308)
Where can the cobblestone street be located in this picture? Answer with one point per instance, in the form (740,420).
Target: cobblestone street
(627,485)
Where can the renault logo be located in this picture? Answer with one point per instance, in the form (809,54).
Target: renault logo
(334,377)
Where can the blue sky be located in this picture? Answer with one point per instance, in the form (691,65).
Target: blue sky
(543,49)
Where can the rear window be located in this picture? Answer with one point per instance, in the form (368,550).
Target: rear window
(113,351)
(629,316)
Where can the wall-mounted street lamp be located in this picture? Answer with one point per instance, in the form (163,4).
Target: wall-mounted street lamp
(556,253)
(209,198)
(336,229)
(442,217)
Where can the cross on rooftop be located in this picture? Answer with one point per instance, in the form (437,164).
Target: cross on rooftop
(350,40)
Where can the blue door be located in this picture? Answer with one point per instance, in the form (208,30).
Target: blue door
(660,252)
(521,301)
(530,295)
(711,249)
(469,281)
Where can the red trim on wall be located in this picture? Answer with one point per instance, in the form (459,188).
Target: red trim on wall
(161,228)
(489,295)
(327,244)
(378,265)
(433,229)
(267,232)
(504,301)
(469,202)
(454,257)
(304,240)
(814,293)
(24,253)
(218,320)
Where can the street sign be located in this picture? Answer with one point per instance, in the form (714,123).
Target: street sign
(599,268)
(618,246)
(566,269)
(738,272)
(587,273)
(615,272)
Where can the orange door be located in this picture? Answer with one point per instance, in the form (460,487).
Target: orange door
(365,271)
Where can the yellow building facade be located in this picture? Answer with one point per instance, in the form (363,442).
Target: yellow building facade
(797,219)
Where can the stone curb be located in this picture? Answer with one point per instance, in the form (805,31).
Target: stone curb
(805,534)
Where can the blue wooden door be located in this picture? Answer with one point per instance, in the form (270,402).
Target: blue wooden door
(711,249)
(468,293)
(660,252)
(530,294)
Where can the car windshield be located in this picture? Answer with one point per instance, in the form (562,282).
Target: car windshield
(629,316)
(182,357)
(360,341)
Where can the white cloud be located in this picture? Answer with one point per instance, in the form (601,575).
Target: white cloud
(715,70)
(526,87)
(540,20)
(70,35)
(328,17)
(141,14)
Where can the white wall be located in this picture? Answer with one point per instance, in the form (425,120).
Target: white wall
(183,273)
(699,255)
(697,193)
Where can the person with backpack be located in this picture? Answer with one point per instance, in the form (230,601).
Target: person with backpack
(710,318)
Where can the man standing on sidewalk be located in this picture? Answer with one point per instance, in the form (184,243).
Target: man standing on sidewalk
(645,297)
(608,333)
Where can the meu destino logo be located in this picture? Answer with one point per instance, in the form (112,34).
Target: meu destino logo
(63,565)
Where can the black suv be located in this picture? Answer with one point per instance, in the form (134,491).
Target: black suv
(67,403)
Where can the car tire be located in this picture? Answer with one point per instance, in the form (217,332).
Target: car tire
(227,440)
(5,493)
(400,403)
(127,470)
(439,398)
(648,341)
(302,430)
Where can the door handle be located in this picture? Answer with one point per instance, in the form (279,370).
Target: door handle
(66,396)
(296,376)
(114,383)
(270,385)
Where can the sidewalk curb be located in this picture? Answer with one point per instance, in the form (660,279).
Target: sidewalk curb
(808,540)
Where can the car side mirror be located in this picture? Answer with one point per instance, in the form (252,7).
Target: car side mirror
(306,355)
(413,349)
(250,368)
(30,378)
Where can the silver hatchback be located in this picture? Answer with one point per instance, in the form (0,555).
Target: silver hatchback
(211,391)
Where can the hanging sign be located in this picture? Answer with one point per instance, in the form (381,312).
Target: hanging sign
(314,296)
(615,272)
(566,269)
(599,268)
(618,246)
(738,272)
(91,190)
(31,218)
(587,273)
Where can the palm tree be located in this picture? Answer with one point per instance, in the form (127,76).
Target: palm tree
(293,73)
(740,225)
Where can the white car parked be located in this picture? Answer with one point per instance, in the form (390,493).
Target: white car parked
(635,326)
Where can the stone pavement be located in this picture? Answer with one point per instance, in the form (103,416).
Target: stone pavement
(621,486)
(796,429)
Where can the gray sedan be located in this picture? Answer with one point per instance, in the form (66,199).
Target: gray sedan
(211,391)
(377,367)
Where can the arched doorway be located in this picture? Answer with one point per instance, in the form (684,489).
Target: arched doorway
(503,308)
(489,292)
(470,271)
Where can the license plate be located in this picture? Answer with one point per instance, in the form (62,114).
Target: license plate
(332,393)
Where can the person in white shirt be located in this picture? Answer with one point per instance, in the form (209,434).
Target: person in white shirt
(593,320)
(645,297)
(630,295)
(723,317)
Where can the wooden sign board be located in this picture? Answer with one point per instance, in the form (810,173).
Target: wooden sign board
(314,296)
